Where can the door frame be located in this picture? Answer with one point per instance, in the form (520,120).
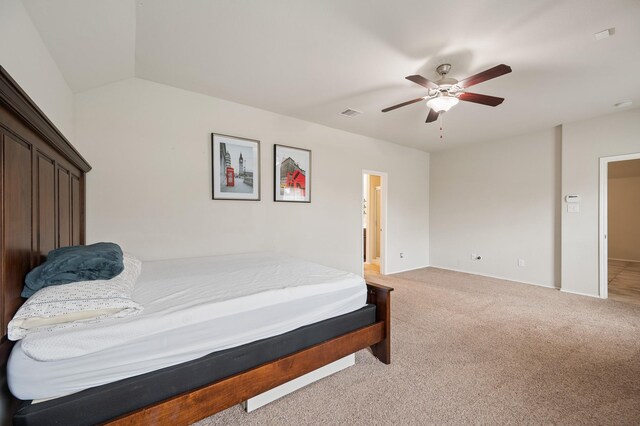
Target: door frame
(384,179)
(604,219)
(378,241)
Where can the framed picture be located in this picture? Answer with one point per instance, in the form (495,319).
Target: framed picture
(292,174)
(236,168)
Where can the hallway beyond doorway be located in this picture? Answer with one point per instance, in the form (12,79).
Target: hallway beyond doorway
(374,216)
(624,281)
(371,269)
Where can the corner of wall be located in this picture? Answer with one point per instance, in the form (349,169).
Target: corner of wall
(30,63)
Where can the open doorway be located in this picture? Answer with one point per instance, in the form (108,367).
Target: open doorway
(374,215)
(620,228)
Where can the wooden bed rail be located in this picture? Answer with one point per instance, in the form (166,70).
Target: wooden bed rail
(208,400)
(380,296)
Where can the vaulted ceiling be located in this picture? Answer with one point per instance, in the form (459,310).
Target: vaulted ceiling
(312,59)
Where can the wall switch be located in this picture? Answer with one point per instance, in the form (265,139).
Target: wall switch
(401,255)
(521,262)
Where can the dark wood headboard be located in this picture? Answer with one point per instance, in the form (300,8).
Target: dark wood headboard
(42,179)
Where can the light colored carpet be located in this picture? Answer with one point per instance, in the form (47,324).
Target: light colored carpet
(474,350)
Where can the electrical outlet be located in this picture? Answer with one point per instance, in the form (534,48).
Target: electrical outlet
(473,256)
(476,257)
(521,262)
(401,255)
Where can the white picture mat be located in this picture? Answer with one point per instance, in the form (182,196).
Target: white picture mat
(300,156)
(252,162)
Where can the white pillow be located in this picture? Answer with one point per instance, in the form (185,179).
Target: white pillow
(61,306)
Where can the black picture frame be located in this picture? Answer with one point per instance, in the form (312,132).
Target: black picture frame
(292,174)
(235,168)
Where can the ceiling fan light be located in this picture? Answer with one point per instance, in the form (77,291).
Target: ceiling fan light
(442,103)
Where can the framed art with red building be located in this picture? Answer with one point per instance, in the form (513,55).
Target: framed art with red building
(235,173)
(292,174)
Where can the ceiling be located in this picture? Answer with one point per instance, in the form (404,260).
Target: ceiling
(312,59)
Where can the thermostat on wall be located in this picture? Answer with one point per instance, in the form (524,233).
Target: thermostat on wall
(572,198)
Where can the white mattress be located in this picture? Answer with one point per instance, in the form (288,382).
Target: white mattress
(192,307)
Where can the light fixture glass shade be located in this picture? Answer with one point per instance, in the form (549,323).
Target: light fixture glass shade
(442,103)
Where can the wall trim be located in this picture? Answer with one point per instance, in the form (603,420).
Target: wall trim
(408,270)
(497,277)
(595,296)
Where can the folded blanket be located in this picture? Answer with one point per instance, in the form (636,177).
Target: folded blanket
(100,261)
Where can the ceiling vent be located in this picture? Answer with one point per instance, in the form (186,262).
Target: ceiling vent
(350,112)
(604,33)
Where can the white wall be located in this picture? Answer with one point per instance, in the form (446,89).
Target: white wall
(26,58)
(150,187)
(499,200)
(583,143)
(624,218)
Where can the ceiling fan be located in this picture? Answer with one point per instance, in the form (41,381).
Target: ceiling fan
(447,92)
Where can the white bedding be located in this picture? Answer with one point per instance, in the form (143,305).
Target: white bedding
(191,307)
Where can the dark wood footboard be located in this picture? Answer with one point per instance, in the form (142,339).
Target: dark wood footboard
(380,296)
(203,402)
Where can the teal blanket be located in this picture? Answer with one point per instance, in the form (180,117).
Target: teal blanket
(100,261)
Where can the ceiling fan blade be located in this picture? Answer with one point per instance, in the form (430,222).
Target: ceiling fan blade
(481,99)
(433,116)
(494,72)
(418,79)
(412,101)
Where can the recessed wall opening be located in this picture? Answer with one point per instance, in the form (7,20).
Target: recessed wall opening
(374,222)
(620,228)
(623,211)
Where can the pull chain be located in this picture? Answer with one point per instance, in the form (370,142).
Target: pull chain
(441,126)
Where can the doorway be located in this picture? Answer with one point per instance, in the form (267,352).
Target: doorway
(620,228)
(374,216)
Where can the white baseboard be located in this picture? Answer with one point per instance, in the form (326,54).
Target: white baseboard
(521,282)
(497,277)
(300,382)
(406,270)
(580,294)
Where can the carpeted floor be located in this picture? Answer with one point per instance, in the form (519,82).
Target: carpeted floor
(475,350)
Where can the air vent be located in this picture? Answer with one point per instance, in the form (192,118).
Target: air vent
(350,112)
(604,33)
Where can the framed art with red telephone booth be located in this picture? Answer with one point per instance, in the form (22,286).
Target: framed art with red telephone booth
(236,168)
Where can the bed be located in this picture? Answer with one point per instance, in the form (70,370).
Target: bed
(43,207)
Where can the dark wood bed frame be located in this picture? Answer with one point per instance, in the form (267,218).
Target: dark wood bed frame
(42,178)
